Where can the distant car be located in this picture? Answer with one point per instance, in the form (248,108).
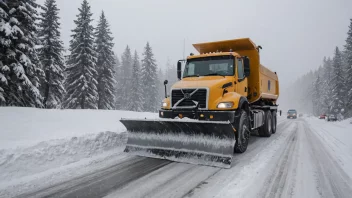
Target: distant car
(300,115)
(292,113)
(332,117)
(322,116)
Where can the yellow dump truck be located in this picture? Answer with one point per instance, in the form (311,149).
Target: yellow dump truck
(224,95)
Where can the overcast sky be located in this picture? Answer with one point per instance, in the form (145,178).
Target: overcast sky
(295,34)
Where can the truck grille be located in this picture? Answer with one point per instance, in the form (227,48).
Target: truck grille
(199,96)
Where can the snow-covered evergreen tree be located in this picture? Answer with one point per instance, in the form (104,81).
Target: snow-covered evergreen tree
(51,55)
(118,79)
(348,69)
(337,82)
(149,80)
(124,84)
(19,68)
(136,88)
(105,64)
(326,91)
(81,83)
(5,41)
(117,66)
(317,96)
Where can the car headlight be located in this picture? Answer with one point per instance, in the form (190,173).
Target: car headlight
(164,104)
(225,105)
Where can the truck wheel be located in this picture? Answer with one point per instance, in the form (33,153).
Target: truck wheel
(266,129)
(274,121)
(243,131)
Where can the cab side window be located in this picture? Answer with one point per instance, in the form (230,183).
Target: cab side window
(240,68)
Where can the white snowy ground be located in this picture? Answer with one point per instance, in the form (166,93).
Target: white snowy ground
(39,145)
(83,157)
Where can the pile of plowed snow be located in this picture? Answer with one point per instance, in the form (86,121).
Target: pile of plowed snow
(37,140)
(51,154)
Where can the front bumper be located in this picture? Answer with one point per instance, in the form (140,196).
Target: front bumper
(200,115)
(289,117)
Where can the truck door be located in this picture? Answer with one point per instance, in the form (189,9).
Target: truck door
(241,84)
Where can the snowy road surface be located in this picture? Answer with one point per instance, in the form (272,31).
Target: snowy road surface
(307,157)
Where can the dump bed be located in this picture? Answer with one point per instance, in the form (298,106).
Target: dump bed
(262,82)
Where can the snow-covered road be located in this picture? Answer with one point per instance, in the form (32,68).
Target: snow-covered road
(305,158)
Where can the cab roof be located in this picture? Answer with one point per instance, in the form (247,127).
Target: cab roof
(214,54)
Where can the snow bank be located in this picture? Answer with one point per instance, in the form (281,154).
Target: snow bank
(37,140)
(55,153)
(21,127)
(340,130)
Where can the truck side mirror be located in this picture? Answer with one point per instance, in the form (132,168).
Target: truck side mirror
(179,65)
(280,112)
(165,83)
(247,71)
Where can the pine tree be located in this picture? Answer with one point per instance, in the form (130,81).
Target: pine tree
(136,88)
(117,66)
(348,69)
(51,55)
(105,65)
(326,82)
(149,80)
(5,41)
(19,68)
(337,82)
(317,97)
(81,83)
(118,79)
(124,89)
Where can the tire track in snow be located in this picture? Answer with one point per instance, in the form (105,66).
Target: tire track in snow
(228,182)
(331,180)
(174,180)
(320,175)
(102,182)
(275,183)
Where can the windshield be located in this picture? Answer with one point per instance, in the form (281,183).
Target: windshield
(219,65)
(291,111)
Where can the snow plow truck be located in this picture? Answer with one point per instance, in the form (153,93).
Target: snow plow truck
(223,95)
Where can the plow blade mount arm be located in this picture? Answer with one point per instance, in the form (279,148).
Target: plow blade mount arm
(191,141)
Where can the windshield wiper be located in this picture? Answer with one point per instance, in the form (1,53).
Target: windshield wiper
(191,76)
(214,74)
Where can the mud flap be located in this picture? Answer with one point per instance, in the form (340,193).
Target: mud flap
(191,141)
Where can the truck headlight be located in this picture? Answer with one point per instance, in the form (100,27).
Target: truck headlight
(225,105)
(164,104)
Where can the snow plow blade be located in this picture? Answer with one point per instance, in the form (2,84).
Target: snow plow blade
(190,141)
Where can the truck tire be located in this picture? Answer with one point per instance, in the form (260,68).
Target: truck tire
(274,122)
(266,129)
(243,130)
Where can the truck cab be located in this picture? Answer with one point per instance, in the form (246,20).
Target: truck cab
(211,84)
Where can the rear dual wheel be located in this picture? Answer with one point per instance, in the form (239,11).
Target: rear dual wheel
(269,126)
(274,122)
